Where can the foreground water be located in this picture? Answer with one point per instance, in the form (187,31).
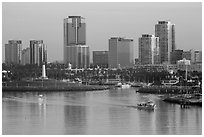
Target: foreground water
(98,113)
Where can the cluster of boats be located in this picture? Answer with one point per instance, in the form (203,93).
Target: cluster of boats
(123,85)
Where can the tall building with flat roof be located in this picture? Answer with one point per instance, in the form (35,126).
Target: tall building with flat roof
(25,56)
(13,52)
(100,58)
(74,37)
(74,31)
(165,30)
(120,52)
(38,52)
(149,49)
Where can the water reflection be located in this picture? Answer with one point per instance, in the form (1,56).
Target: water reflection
(95,113)
(74,119)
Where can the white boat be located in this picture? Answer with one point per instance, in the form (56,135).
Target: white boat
(125,85)
(119,84)
(147,105)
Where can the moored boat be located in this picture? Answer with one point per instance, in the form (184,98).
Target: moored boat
(125,85)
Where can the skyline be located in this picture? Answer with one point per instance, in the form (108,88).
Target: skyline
(101,20)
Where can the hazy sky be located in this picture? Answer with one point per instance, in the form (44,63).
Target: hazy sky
(26,21)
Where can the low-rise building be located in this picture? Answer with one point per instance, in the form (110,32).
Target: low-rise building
(157,67)
(100,58)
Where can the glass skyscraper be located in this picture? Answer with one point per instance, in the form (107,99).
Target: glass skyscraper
(13,52)
(38,52)
(149,49)
(120,53)
(165,30)
(76,52)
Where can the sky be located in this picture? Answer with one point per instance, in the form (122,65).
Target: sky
(44,21)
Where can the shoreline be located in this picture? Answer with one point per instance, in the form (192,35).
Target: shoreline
(169,90)
(51,89)
(48,86)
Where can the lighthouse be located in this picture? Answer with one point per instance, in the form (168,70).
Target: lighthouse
(44,72)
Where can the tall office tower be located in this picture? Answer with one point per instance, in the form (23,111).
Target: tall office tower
(166,33)
(25,56)
(149,49)
(100,58)
(176,55)
(75,42)
(38,52)
(78,56)
(13,52)
(120,52)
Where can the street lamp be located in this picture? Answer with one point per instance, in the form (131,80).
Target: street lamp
(186,62)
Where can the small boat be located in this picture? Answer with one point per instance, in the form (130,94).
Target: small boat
(147,105)
(119,84)
(125,85)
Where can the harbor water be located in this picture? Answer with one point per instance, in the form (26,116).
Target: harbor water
(107,112)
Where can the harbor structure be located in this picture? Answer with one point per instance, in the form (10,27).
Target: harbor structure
(120,53)
(76,52)
(100,58)
(13,52)
(165,30)
(149,49)
(38,52)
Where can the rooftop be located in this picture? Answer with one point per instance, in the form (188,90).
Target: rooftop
(76,17)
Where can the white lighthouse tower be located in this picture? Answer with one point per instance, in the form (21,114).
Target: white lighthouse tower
(44,72)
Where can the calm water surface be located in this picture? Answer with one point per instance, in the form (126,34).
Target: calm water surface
(102,112)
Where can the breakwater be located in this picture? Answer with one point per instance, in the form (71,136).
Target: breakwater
(169,90)
(191,99)
(48,86)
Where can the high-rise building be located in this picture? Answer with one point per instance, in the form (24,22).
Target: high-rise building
(120,52)
(100,58)
(176,55)
(78,56)
(75,42)
(25,56)
(149,49)
(13,52)
(165,30)
(38,52)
